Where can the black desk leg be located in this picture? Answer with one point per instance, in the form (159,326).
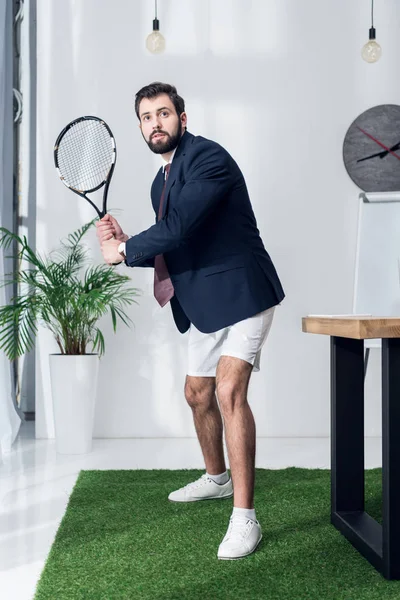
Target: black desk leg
(347,425)
(391,457)
(347,450)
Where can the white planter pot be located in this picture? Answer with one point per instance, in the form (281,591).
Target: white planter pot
(73,389)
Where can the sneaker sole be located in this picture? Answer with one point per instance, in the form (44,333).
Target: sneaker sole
(199,499)
(242,555)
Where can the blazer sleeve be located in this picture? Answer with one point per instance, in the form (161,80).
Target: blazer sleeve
(146,263)
(207,181)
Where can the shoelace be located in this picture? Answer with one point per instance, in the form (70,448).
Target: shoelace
(199,483)
(239,527)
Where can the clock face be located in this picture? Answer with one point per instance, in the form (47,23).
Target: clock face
(371,149)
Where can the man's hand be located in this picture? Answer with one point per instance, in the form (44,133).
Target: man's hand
(109,228)
(109,250)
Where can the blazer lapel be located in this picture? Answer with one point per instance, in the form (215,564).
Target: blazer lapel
(173,172)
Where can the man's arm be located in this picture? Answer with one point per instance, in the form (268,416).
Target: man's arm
(122,250)
(208,180)
(112,241)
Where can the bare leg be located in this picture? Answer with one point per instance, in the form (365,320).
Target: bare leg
(232,381)
(200,395)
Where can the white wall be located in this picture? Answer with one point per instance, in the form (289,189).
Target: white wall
(277,82)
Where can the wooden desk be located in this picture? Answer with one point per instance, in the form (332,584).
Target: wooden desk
(379,544)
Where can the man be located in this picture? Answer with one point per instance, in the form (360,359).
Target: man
(211,265)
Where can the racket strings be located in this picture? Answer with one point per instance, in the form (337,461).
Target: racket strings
(93,140)
(85,155)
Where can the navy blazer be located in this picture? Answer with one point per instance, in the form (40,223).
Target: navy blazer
(208,235)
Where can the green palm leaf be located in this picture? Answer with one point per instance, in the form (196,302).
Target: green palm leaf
(51,292)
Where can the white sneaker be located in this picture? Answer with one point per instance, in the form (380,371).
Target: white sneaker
(241,539)
(204,488)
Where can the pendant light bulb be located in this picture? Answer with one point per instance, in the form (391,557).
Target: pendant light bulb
(371,51)
(155,41)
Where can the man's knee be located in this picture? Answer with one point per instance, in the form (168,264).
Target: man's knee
(231,395)
(199,391)
(232,383)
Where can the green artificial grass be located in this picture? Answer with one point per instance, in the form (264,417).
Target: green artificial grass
(121,539)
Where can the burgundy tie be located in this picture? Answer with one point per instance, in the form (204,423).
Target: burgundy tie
(163,288)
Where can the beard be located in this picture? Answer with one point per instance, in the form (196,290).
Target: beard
(169,144)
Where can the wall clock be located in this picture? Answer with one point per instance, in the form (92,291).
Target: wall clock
(371,149)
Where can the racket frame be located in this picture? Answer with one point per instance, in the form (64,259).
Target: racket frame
(105,182)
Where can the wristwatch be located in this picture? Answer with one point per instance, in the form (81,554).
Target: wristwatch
(121,250)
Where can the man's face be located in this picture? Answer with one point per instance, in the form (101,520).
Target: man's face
(160,125)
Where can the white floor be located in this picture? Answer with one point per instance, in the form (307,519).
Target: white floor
(35,484)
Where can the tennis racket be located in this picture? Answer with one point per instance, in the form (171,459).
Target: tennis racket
(85,155)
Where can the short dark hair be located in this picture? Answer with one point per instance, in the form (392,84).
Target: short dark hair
(155,89)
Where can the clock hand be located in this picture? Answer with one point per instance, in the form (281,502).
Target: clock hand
(381,154)
(378,142)
(385,152)
(396,146)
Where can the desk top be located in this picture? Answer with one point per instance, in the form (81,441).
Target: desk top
(360,328)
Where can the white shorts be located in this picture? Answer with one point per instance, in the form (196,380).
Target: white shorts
(242,340)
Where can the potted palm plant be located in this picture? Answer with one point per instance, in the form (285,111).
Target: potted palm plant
(67,296)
